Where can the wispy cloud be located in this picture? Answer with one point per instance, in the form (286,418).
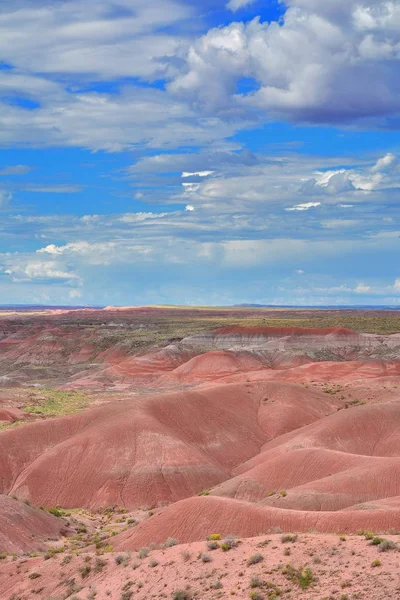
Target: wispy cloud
(15,170)
(235,5)
(303,206)
(53,189)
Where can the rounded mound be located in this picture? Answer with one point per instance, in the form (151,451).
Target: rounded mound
(370,430)
(213,365)
(195,518)
(154,449)
(24,528)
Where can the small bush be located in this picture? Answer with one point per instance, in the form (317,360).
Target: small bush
(214,537)
(387,545)
(376,541)
(376,563)
(288,538)
(254,595)
(255,582)
(99,565)
(205,558)
(217,585)
(181,595)
(228,543)
(143,552)
(303,577)
(51,552)
(170,542)
(212,545)
(225,547)
(85,570)
(255,559)
(153,563)
(186,555)
(34,575)
(286,551)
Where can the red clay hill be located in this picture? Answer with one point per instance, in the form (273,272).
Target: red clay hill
(237,430)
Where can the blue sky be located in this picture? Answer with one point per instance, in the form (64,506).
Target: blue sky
(200,153)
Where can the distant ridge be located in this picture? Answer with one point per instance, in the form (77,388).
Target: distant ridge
(323,306)
(27,307)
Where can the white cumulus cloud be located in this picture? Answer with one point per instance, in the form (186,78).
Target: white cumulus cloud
(362,288)
(40,271)
(310,68)
(304,206)
(197,174)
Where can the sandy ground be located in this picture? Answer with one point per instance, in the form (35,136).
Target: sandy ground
(339,569)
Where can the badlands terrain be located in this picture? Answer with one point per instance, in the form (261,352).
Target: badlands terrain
(199,453)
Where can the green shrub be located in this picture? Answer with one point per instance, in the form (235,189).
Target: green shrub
(255,559)
(228,543)
(254,595)
(302,576)
(376,541)
(376,563)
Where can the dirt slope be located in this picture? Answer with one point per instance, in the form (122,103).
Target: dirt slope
(336,569)
(24,528)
